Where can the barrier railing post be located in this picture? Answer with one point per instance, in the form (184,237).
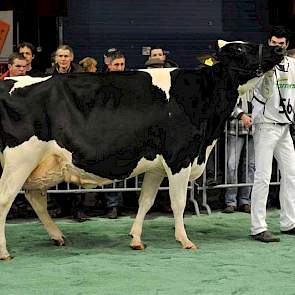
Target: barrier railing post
(204,193)
(192,198)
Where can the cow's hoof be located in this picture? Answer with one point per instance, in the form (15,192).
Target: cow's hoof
(137,246)
(190,246)
(58,242)
(6,258)
(187,244)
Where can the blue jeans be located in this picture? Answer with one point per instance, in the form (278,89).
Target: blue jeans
(234,150)
(113,199)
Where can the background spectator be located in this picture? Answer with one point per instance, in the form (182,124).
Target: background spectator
(88,64)
(17,65)
(238,129)
(114,200)
(160,53)
(106,58)
(116,62)
(153,63)
(28,50)
(64,57)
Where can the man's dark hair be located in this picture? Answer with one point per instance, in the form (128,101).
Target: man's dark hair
(26,44)
(15,55)
(115,55)
(157,47)
(279,32)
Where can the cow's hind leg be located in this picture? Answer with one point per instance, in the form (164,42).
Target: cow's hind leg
(15,172)
(19,162)
(7,196)
(38,200)
(178,190)
(150,186)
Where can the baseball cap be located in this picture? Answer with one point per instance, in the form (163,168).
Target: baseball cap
(110,51)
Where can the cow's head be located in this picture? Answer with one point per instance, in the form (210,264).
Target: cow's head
(248,60)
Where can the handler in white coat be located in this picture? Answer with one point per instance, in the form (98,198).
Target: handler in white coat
(273,112)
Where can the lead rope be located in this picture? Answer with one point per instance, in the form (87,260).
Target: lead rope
(259,72)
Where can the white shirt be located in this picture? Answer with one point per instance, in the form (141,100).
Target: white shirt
(274,95)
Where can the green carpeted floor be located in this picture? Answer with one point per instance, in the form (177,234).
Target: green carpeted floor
(97,259)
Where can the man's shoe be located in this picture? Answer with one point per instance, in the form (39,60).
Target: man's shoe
(289,232)
(113,214)
(80,216)
(245,208)
(265,237)
(210,181)
(229,209)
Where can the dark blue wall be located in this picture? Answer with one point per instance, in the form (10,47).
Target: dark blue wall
(185,28)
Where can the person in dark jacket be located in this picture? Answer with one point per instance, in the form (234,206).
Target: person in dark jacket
(106,59)
(28,51)
(159,53)
(64,56)
(63,64)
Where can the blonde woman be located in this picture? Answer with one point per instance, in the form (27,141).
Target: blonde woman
(88,64)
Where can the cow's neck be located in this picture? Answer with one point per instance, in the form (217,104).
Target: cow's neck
(240,77)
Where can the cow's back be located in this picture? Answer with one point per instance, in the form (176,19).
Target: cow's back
(108,121)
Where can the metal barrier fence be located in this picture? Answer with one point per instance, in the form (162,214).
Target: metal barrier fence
(223,184)
(126,185)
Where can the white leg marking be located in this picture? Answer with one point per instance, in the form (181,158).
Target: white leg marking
(150,186)
(178,190)
(19,163)
(38,201)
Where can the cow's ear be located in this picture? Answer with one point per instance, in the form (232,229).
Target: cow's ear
(221,43)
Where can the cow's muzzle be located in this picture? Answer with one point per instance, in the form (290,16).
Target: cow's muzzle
(280,50)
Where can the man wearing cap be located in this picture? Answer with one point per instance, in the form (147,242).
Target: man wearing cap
(115,62)
(106,58)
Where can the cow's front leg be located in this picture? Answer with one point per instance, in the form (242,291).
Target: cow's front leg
(149,189)
(38,200)
(178,190)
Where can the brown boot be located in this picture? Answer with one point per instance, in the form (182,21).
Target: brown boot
(113,213)
(229,209)
(245,208)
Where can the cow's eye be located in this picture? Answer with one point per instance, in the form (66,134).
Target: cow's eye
(240,50)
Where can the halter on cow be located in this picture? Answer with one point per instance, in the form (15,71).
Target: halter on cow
(90,129)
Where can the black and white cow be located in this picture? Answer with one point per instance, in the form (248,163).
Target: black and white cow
(90,129)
